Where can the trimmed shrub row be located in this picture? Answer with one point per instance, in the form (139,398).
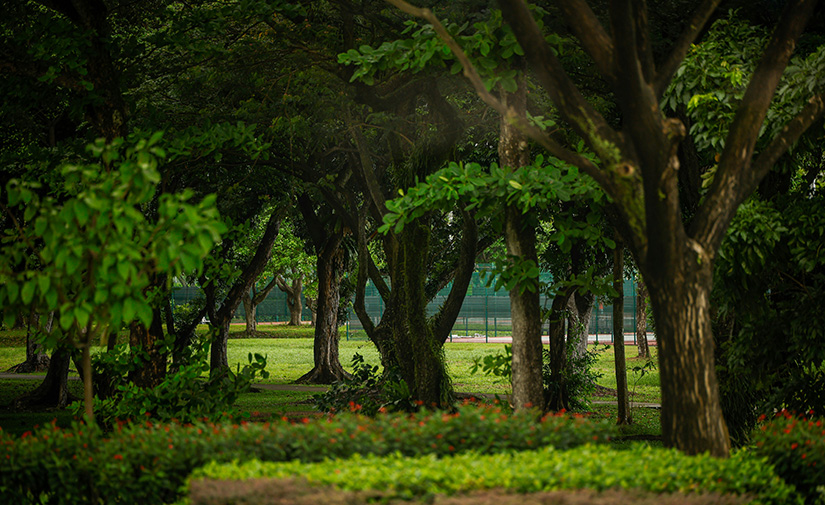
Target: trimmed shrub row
(640,468)
(148,463)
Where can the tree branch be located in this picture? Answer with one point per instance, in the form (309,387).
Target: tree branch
(590,32)
(697,22)
(361,279)
(445,318)
(521,122)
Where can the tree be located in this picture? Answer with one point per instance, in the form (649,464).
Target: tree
(641,318)
(94,253)
(638,169)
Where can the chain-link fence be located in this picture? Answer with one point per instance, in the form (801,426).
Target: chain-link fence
(485,313)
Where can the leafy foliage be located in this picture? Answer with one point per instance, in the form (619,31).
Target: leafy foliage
(367,392)
(183,395)
(90,254)
(148,463)
(768,289)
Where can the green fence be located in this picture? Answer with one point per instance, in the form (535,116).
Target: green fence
(485,312)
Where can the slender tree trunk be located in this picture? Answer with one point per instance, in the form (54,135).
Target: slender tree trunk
(327,365)
(622,398)
(520,240)
(641,318)
(525,311)
(578,322)
(250,310)
(681,305)
(557,397)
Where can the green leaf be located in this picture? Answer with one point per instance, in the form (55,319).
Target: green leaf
(515,184)
(27,293)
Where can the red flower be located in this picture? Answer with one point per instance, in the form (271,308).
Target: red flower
(118,456)
(794,446)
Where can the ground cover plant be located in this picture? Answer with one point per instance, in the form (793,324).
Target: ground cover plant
(145,462)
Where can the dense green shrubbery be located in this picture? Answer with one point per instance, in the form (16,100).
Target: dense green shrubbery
(641,468)
(147,463)
(370,390)
(183,395)
(796,447)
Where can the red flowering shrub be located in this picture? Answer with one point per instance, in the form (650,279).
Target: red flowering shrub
(147,463)
(795,445)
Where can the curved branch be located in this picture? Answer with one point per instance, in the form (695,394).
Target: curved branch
(361,279)
(444,320)
(590,32)
(531,130)
(665,72)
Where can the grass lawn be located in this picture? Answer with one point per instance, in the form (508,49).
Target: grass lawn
(289,354)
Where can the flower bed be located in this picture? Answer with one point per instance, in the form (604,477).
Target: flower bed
(147,463)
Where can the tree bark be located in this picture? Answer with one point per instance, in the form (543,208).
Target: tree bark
(249,314)
(557,396)
(641,318)
(219,319)
(691,413)
(624,416)
(520,241)
(36,359)
(327,365)
(53,392)
(293,297)
(580,308)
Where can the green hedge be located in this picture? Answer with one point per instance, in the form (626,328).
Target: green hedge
(796,447)
(640,468)
(147,463)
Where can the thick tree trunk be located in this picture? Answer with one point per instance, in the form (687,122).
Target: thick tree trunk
(417,352)
(327,365)
(641,318)
(53,392)
(218,359)
(691,411)
(619,360)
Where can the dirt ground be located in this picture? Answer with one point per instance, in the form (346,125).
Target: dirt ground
(298,492)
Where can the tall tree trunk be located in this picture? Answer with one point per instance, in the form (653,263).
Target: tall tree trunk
(641,318)
(520,241)
(327,365)
(293,297)
(53,392)
(681,306)
(622,399)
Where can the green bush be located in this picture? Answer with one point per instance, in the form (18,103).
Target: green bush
(183,395)
(640,468)
(367,391)
(147,463)
(796,447)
